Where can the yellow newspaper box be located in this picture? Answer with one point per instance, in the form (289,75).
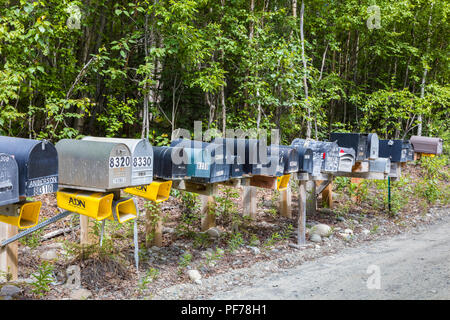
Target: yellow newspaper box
(22,215)
(157,191)
(96,205)
(283,181)
(124,210)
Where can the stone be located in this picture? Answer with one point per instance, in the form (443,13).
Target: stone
(254,250)
(49,255)
(321,229)
(340,219)
(155,248)
(194,275)
(80,294)
(213,233)
(365,231)
(315,238)
(73,277)
(168,230)
(10,290)
(348,231)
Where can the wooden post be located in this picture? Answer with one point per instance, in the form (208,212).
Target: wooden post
(209,216)
(301,224)
(8,254)
(153,226)
(86,235)
(327,196)
(249,202)
(356,181)
(285,202)
(311,203)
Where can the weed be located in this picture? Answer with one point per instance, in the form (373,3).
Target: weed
(150,276)
(184,262)
(236,241)
(43,276)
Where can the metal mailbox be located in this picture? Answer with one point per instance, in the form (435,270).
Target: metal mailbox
(396,150)
(305,158)
(325,154)
(380,165)
(289,157)
(141,158)
(346,159)
(9,180)
(365,145)
(246,150)
(206,161)
(428,145)
(37,162)
(94,165)
(165,168)
(274,167)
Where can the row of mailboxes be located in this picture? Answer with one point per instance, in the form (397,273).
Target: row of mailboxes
(396,150)
(365,145)
(28,168)
(170,163)
(427,145)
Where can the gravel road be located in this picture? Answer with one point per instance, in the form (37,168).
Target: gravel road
(415,265)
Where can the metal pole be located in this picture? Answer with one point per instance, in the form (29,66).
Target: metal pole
(389,194)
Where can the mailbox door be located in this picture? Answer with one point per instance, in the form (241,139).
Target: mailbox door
(42,173)
(120,167)
(9,180)
(373,146)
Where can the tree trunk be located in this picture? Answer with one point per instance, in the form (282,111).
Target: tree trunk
(305,80)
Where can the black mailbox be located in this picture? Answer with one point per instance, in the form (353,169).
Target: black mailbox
(206,161)
(325,154)
(237,167)
(365,145)
(305,158)
(165,168)
(9,180)
(37,162)
(427,145)
(288,157)
(396,150)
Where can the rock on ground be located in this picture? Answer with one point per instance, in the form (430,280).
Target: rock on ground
(10,290)
(80,294)
(194,275)
(322,230)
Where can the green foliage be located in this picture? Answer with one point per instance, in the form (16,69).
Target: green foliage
(190,216)
(235,242)
(43,277)
(184,262)
(435,173)
(150,276)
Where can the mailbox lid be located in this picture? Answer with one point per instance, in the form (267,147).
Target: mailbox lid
(427,144)
(37,162)
(142,158)
(94,165)
(9,180)
(372,146)
(170,163)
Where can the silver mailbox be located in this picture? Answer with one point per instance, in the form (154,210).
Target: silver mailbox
(142,158)
(347,158)
(9,180)
(94,165)
(380,165)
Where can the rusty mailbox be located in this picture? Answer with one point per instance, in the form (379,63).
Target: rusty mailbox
(37,162)
(9,180)
(141,158)
(427,145)
(94,165)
